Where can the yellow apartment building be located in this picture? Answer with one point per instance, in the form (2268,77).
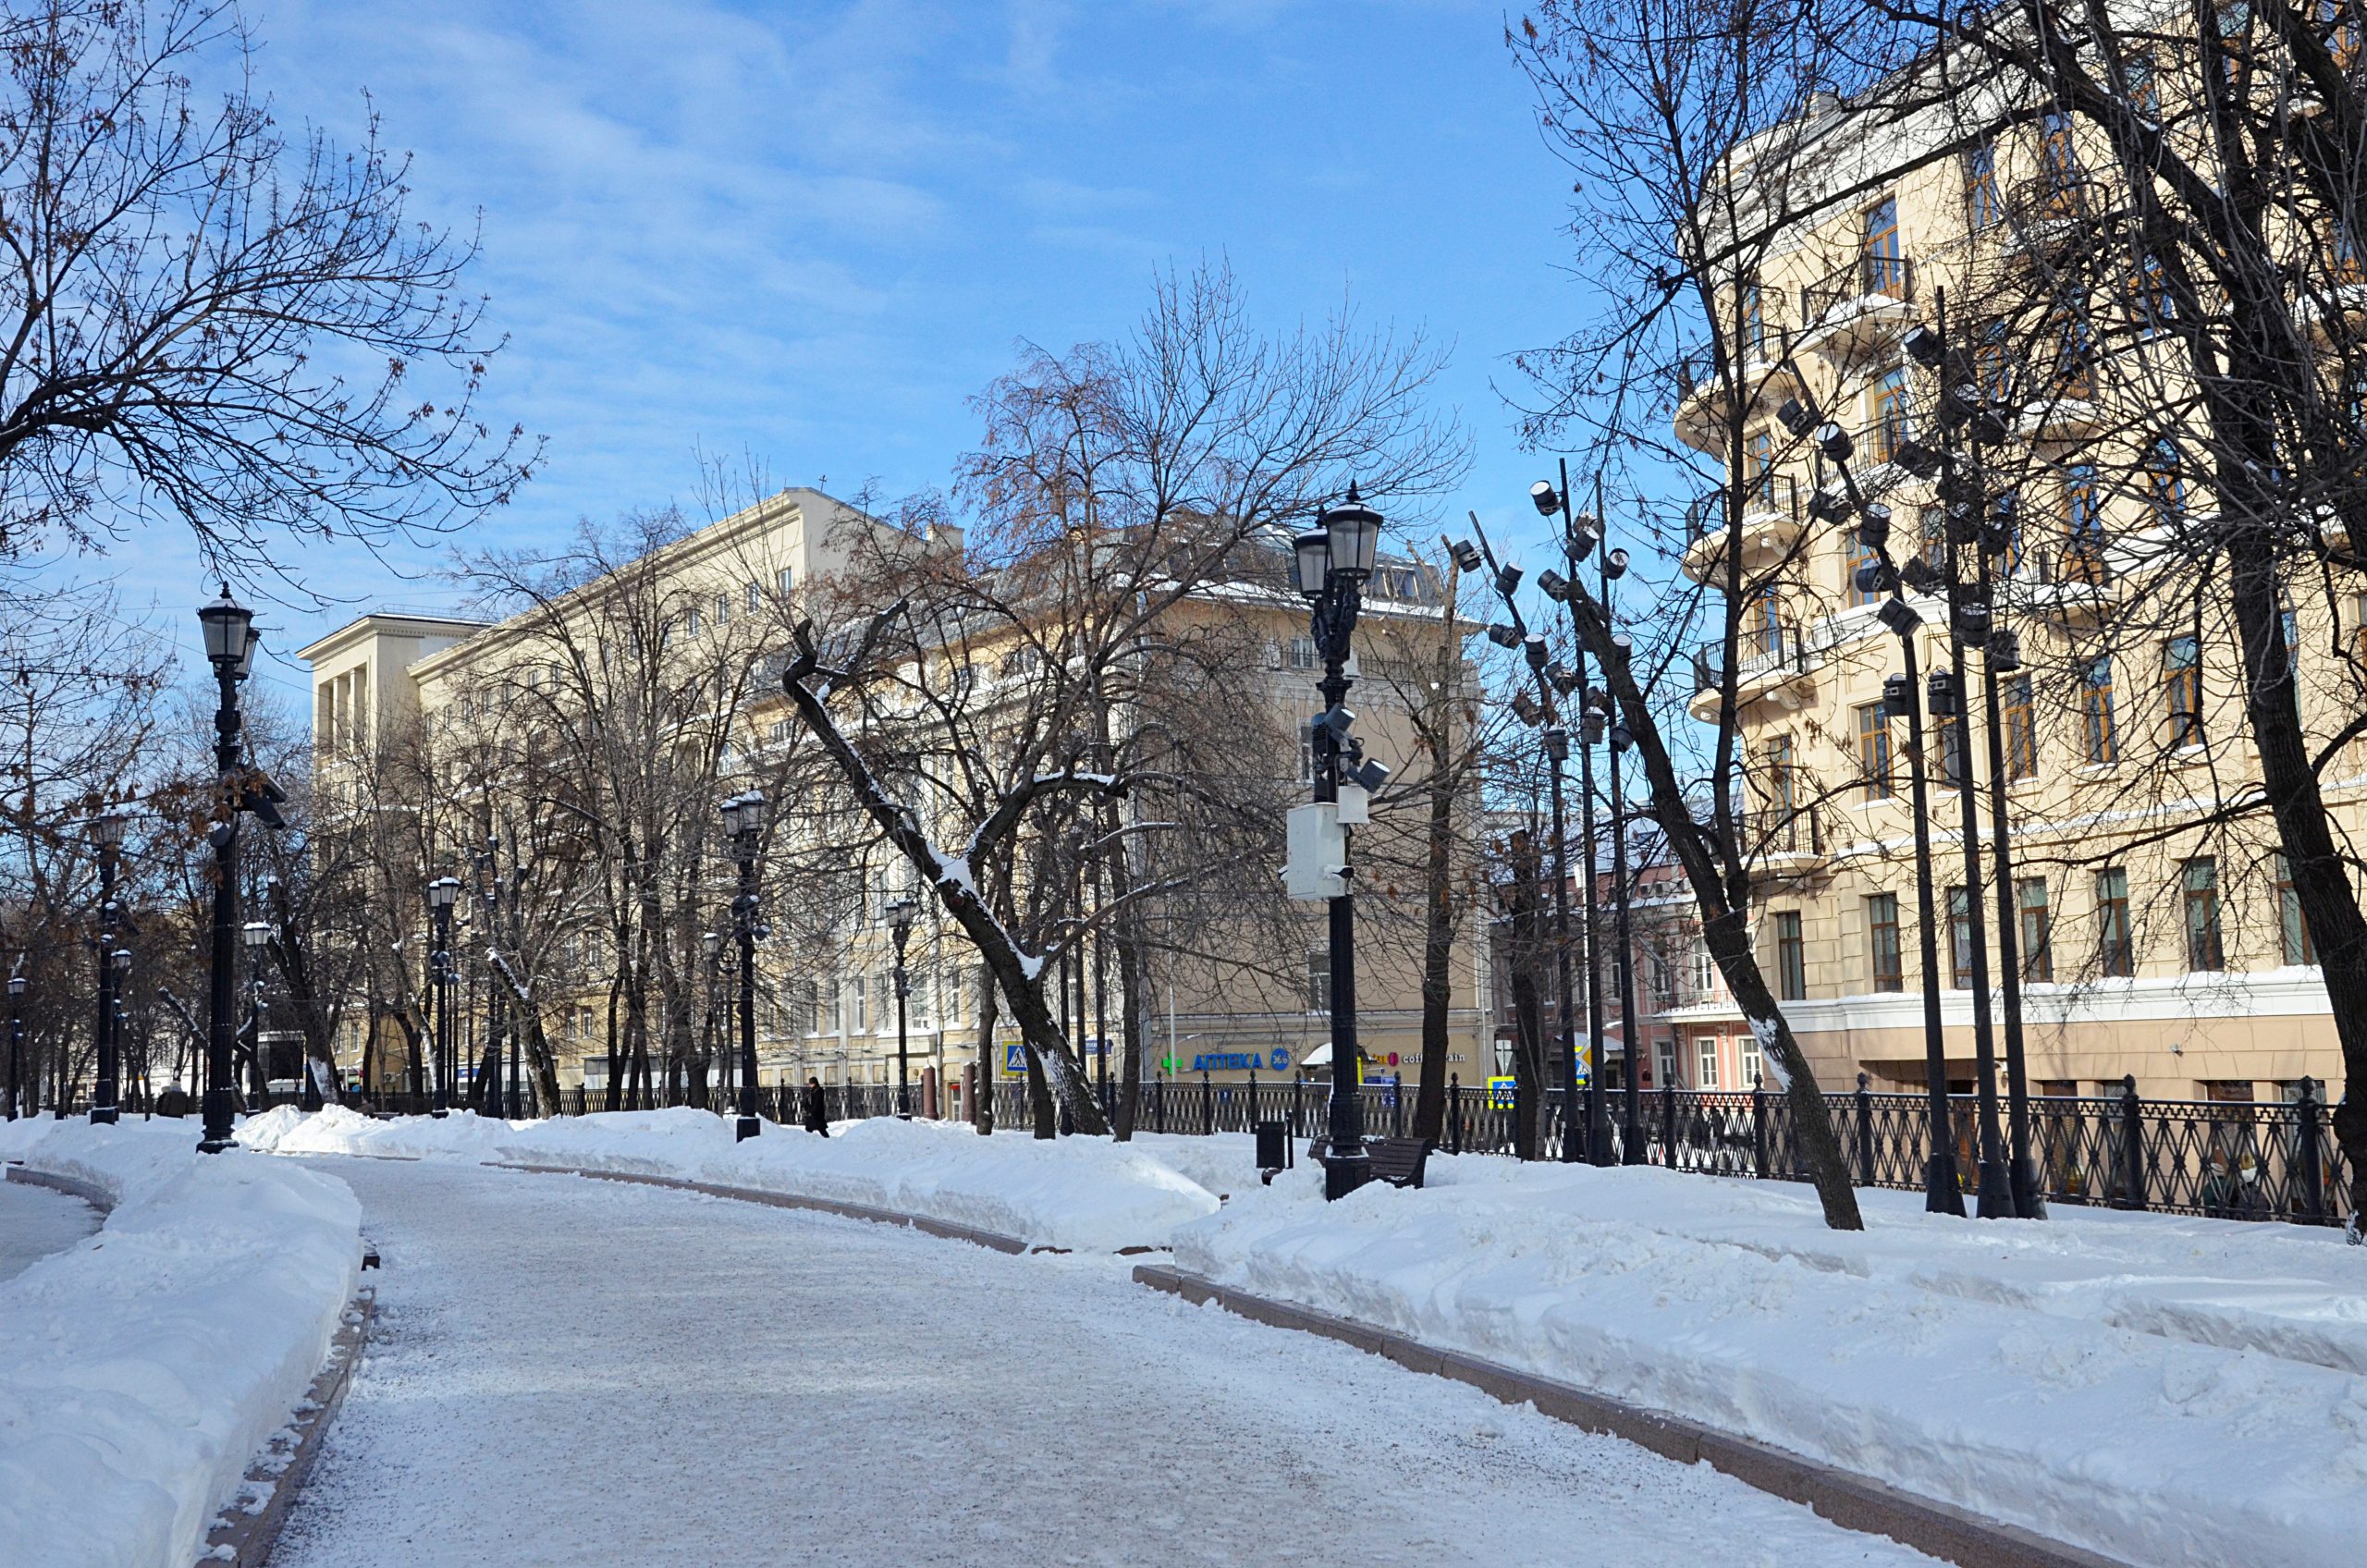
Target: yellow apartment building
(2154,943)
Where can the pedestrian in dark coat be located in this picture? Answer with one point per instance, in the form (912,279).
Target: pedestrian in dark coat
(809,1108)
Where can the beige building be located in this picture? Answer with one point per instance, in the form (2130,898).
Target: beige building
(724,595)
(2156,940)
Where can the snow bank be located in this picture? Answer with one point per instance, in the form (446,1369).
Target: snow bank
(1086,1195)
(142,1370)
(2008,1368)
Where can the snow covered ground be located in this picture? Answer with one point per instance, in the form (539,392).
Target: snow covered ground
(35,1221)
(584,1372)
(143,1367)
(2166,1391)
(1086,1194)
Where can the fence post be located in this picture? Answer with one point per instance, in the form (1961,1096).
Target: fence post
(1252,1123)
(2313,1172)
(1455,1113)
(1158,1102)
(1668,1122)
(1865,1130)
(1207,1107)
(2132,1131)
(1758,1126)
(1298,1122)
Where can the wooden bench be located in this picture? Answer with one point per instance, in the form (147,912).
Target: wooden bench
(1398,1161)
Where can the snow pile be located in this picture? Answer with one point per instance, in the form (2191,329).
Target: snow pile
(143,1369)
(2028,1372)
(1086,1195)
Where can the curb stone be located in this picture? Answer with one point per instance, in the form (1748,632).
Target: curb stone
(946,1229)
(247,1537)
(1855,1502)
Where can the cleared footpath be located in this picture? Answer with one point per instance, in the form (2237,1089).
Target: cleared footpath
(578,1372)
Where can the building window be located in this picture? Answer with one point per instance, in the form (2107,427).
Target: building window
(1300,655)
(1754,1061)
(2116,952)
(1758,468)
(1791,957)
(2182,689)
(2293,932)
(1319,979)
(2102,744)
(833,1010)
(1947,749)
(2144,85)
(2021,733)
(2037,928)
(1874,751)
(2199,879)
(859,995)
(786,579)
(1982,206)
(1959,939)
(1705,971)
(1753,311)
(1884,266)
(1889,408)
(756,597)
(1667,1052)
(2058,161)
(1882,925)
(1705,1060)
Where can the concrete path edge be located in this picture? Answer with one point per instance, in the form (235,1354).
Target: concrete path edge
(1855,1502)
(943,1227)
(279,1473)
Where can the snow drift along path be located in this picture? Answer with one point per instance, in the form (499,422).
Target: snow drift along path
(573,1372)
(1080,1194)
(142,1369)
(1990,1366)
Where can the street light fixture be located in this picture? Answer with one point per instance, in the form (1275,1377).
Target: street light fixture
(899,926)
(441,894)
(16,1040)
(744,819)
(1334,559)
(230,643)
(256,935)
(107,832)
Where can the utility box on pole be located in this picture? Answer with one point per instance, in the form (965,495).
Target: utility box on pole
(1319,852)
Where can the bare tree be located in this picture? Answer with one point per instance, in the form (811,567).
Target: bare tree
(207,325)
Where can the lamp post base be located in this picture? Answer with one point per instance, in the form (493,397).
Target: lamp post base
(218,1124)
(748,1128)
(1941,1193)
(1631,1146)
(2029,1203)
(1996,1195)
(105,1115)
(1344,1174)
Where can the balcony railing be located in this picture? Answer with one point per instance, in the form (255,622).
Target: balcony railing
(1770,493)
(1776,829)
(1866,274)
(1775,648)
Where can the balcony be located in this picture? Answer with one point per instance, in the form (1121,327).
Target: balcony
(1863,304)
(1787,841)
(1772,664)
(1764,379)
(2070,416)
(2050,215)
(2066,581)
(1772,521)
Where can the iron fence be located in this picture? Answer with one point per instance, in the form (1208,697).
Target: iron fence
(2231,1159)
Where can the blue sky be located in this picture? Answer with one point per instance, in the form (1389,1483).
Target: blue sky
(807,232)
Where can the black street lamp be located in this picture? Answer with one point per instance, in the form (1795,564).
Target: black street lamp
(489,1093)
(441,894)
(16,1041)
(1333,562)
(230,643)
(1901,696)
(1542,712)
(256,934)
(744,819)
(711,942)
(107,832)
(900,913)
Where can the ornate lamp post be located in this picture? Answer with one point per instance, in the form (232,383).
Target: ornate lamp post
(711,943)
(16,1042)
(1333,562)
(900,913)
(441,894)
(106,1093)
(1901,696)
(230,643)
(744,819)
(256,934)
